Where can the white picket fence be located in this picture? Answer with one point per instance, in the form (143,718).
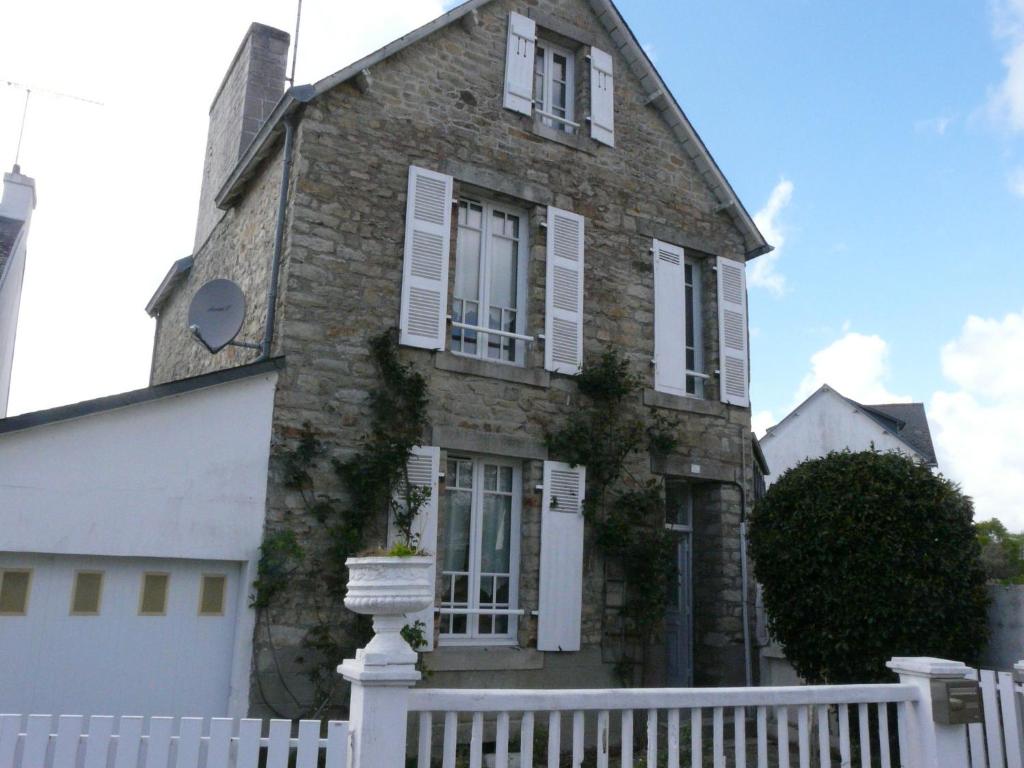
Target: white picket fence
(662,726)
(843,725)
(72,741)
(999,743)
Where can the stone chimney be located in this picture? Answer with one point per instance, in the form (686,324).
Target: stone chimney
(250,90)
(19,200)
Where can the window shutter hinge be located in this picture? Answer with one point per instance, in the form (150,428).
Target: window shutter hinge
(543,224)
(538,488)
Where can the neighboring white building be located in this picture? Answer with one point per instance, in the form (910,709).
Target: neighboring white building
(19,200)
(827,421)
(824,422)
(130,529)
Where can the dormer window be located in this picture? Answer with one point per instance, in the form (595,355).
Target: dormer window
(554,86)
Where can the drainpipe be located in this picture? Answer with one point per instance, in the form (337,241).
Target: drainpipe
(275,261)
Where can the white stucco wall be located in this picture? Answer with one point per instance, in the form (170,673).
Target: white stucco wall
(183,476)
(825,422)
(10,304)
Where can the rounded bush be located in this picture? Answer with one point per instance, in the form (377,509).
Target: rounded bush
(865,556)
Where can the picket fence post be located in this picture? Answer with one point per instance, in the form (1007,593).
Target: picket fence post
(930,744)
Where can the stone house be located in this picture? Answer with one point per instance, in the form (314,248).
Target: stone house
(513,187)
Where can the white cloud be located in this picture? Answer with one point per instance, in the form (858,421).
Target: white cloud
(977,426)
(854,365)
(936,125)
(1016,181)
(763,273)
(1006,102)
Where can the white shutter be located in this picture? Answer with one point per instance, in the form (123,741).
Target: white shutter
(669,319)
(522,39)
(424,466)
(602,98)
(428,218)
(732,332)
(560,608)
(563,327)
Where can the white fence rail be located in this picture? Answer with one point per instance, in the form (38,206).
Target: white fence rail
(72,741)
(999,743)
(655,727)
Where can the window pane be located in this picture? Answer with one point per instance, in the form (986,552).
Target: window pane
(495,541)
(678,503)
(538,76)
(456,531)
(558,67)
(154,594)
(14,592)
(467,264)
(85,597)
(503,272)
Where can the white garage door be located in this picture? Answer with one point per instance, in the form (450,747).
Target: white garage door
(104,635)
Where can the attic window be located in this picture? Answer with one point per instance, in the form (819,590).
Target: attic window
(554,86)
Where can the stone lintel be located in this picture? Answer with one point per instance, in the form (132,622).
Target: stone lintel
(496,181)
(696,468)
(455,439)
(563,28)
(675,235)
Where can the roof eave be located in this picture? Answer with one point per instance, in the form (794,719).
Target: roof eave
(174,275)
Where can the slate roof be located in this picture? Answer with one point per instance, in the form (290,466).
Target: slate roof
(908,422)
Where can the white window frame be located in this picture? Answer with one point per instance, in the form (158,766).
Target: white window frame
(484,286)
(472,636)
(542,104)
(694,315)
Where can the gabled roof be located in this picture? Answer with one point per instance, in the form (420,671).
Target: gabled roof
(907,422)
(658,96)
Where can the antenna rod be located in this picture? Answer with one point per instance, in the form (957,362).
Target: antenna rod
(295,46)
(21,131)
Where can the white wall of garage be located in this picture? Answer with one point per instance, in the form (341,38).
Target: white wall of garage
(178,482)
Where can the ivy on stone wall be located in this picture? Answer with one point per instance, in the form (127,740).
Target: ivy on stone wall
(627,513)
(370,478)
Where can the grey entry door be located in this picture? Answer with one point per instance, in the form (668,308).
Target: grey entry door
(679,603)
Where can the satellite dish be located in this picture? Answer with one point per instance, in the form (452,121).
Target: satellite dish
(216,313)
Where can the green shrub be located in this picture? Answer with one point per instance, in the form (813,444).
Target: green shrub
(865,556)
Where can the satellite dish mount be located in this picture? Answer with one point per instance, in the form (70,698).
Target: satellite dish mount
(216,314)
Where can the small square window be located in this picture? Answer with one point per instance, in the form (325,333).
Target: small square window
(85,597)
(153,601)
(211,595)
(14,586)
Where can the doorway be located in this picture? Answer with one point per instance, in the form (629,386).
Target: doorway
(679,603)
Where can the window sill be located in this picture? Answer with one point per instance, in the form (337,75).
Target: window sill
(448,658)
(656,399)
(532,377)
(577,141)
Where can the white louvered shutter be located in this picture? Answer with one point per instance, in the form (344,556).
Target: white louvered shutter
(428,218)
(669,319)
(563,324)
(732,332)
(602,97)
(424,466)
(522,40)
(560,606)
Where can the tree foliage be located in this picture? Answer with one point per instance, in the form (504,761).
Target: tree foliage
(865,556)
(1002,552)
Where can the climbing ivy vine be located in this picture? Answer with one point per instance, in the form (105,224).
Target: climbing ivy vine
(371,478)
(627,513)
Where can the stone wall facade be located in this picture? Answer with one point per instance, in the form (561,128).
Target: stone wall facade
(438,104)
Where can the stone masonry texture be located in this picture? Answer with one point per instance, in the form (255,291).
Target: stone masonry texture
(439,102)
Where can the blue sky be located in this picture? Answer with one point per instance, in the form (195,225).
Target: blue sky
(881,146)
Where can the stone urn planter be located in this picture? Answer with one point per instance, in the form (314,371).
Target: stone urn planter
(387,588)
